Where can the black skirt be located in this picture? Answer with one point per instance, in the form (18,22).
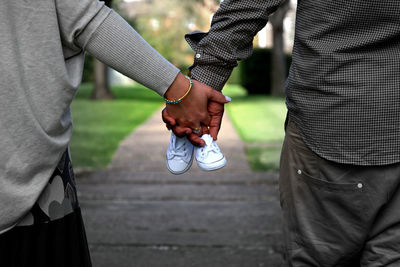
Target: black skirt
(52,234)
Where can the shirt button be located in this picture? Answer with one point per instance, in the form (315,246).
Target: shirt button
(360,185)
(198,56)
(299,171)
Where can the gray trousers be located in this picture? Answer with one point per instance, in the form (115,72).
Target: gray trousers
(337,214)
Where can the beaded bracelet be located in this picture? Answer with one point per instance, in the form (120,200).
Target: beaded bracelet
(180,99)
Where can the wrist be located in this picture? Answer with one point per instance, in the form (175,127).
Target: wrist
(171,96)
(178,88)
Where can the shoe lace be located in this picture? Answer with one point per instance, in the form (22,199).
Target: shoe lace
(209,148)
(178,149)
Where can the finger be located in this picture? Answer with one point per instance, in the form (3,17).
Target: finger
(204,130)
(215,126)
(207,120)
(214,132)
(167,118)
(218,97)
(196,140)
(197,130)
(181,131)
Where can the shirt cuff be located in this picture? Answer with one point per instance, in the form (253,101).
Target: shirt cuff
(207,68)
(213,76)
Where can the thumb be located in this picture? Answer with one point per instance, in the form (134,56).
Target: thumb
(218,97)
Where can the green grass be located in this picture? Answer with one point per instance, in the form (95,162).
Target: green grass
(259,120)
(99,126)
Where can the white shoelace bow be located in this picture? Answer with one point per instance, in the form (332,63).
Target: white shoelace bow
(209,147)
(178,148)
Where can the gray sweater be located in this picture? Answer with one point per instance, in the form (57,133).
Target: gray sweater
(42,46)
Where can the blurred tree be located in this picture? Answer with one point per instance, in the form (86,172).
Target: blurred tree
(166,23)
(278,76)
(101,84)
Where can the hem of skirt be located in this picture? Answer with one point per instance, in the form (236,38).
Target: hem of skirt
(61,242)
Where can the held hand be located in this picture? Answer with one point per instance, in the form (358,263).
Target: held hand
(215,110)
(182,131)
(193,112)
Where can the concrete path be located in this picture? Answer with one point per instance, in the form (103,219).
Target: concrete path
(144,149)
(137,214)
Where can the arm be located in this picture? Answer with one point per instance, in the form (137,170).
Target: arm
(217,52)
(229,39)
(90,25)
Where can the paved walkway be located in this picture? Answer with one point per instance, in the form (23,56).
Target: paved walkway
(137,214)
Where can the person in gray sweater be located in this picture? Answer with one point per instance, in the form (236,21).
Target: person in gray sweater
(42,46)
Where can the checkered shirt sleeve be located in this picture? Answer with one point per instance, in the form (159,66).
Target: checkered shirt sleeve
(229,39)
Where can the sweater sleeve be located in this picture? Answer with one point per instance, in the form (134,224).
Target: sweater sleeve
(108,37)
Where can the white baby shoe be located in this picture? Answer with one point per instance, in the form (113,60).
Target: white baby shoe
(209,157)
(179,154)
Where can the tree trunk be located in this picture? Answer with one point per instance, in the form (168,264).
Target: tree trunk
(101,85)
(278,53)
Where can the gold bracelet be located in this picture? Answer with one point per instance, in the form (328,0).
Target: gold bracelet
(180,99)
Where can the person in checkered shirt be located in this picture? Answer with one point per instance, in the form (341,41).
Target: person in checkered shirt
(340,164)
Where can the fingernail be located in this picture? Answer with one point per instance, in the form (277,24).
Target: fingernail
(228,98)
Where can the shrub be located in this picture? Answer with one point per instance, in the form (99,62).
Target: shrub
(88,74)
(235,76)
(255,72)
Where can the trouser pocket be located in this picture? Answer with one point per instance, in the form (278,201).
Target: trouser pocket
(324,205)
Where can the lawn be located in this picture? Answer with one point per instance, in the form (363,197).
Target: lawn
(259,120)
(99,126)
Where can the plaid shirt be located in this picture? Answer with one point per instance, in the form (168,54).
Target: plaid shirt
(343,90)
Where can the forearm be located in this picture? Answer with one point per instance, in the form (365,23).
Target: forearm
(117,44)
(229,39)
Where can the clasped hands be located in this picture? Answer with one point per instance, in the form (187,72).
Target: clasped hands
(202,108)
